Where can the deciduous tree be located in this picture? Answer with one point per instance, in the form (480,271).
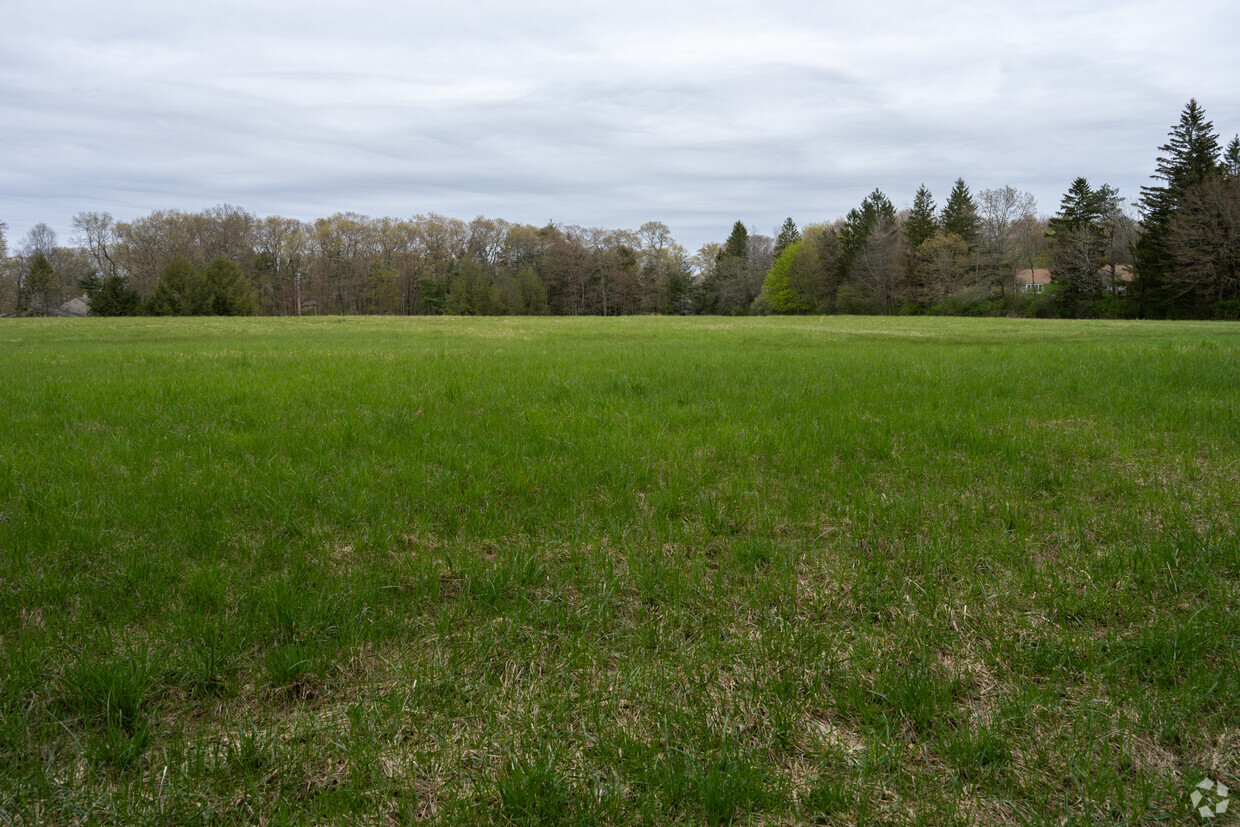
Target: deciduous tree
(1203,238)
(783,289)
(96,232)
(8,289)
(1001,214)
(280,262)
(39,239)
(942,260)
(875,275)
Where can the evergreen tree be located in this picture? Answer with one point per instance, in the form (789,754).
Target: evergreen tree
(1083,205)
(227,292)
(960,214)
(1079,239)
(876,209)
(1231,158)
(178,292)
(1190,155)
(115,298)
(870,259)
(90,284)
(737,245)
(920,224)
(729,288)
(788,235)
(679,298)
(37,287)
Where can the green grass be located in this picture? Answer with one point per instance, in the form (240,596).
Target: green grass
(845,570)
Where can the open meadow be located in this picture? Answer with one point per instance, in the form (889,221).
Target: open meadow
(625,570)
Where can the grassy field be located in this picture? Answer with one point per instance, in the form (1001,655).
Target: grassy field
(634,570)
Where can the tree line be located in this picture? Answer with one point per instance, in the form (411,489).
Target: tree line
(1173,253)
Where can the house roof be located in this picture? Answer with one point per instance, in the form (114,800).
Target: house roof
(76,306)
(1043,276)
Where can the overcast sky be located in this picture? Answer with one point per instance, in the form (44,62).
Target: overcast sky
(695,114)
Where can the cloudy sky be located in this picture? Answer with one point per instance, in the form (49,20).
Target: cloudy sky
(695,114)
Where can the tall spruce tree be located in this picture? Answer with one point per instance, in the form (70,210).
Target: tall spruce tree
(1190,155)
(1079,240)
(1231,158)
(869,260)
(727,288)
(788,235)
(876,208)
(960,213)
(920,224)
(737,245)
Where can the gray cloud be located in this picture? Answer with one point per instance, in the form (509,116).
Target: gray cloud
(694,114)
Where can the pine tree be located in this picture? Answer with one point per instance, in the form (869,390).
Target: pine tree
(1231,158)
(876,208)
(869,260)
(729,287)
(737,245)
(1082,205)
(178,292)
(115,298)
(1079,238)
(788,235)
(1190,155)
(920,224)
(960,214)
(227,291)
